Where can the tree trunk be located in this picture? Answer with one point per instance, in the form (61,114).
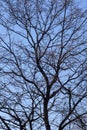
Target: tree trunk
(46,119)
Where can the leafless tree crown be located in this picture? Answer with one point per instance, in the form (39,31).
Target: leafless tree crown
(43,65)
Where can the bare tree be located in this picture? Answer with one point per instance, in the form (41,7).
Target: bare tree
(43,51)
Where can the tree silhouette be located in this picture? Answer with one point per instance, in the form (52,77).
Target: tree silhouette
(43,52)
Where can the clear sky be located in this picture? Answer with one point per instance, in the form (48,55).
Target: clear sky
(82,3)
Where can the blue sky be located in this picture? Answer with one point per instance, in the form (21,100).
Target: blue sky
(82,3)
